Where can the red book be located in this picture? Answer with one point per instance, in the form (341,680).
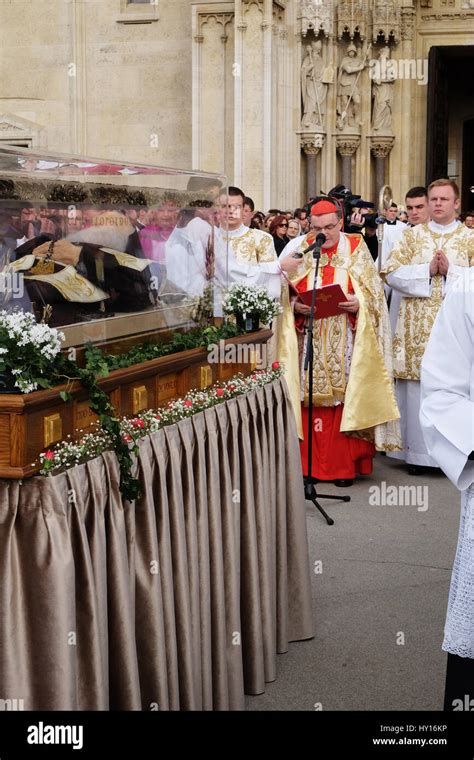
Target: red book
(327,299)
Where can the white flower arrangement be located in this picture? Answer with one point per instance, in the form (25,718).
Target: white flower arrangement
(249,301)
(71,453)
(27,349)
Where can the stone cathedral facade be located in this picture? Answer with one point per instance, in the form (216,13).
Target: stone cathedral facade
(287,97)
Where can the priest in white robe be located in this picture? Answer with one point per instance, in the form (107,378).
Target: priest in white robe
(200,253)
(392,232)
(422,267)
(447,420)
(416,201)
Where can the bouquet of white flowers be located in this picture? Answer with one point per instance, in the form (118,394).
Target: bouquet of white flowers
(250,302)
(27,350)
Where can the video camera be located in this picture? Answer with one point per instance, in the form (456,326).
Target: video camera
(348,203)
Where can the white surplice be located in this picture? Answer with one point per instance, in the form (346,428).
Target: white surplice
(447,420)
(185,256)
(391,234)
(413,281)
(186,262)
(396,296)
(230,269)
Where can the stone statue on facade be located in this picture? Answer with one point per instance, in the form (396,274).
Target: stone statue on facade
(383,79)
(315,77)
(348,93)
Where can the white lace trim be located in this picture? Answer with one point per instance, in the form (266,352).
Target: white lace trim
(459,628)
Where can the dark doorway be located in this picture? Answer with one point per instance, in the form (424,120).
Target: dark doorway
(437,126)
(450,117)
(467,197)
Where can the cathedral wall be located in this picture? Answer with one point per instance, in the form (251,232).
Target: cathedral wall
(34,57)
(217,86)
(96,82)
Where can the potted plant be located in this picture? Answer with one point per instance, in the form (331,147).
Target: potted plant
(28,352)
(251,305)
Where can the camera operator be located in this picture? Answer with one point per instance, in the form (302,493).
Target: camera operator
(363,221)
(355,211)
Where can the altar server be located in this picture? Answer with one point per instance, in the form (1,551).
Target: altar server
(447,420)
(422,267)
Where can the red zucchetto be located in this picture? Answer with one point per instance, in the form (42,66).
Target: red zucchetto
(323,207)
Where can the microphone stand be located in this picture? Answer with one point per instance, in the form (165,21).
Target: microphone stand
(310,492)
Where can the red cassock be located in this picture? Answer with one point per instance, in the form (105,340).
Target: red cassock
(336,456)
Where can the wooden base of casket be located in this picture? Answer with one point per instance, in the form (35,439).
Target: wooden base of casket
(30,423)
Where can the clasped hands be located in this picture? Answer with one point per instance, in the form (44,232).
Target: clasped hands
(439,264)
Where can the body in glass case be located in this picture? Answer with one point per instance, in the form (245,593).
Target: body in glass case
(114,255)
(107,250)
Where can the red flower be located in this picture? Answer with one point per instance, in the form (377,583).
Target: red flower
(138,423)
(188,403)
(49,454)
(157,417)
(232,387)
(127,438)
(253,377)
(276,365)
(220,392)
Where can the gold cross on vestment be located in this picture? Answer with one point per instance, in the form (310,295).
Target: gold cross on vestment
(42,266)
(324,297)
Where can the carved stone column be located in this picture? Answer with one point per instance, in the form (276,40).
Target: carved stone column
(408,16)
(381,147)
(311,144)
(407,105)
(212,85)
(346,147)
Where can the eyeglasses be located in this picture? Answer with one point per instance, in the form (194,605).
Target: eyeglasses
(327,228)
(283,225)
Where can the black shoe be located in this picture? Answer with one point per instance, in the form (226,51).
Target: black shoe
(343,483)
(416,469)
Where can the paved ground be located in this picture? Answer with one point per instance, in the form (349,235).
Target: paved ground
(384,581)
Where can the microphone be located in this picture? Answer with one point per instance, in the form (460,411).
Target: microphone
(320,239)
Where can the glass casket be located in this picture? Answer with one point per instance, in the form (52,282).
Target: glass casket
(116,256)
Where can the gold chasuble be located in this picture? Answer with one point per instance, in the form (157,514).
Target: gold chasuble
(255,247)
(250,246)
(416,315)
(352,353)
(63,278)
